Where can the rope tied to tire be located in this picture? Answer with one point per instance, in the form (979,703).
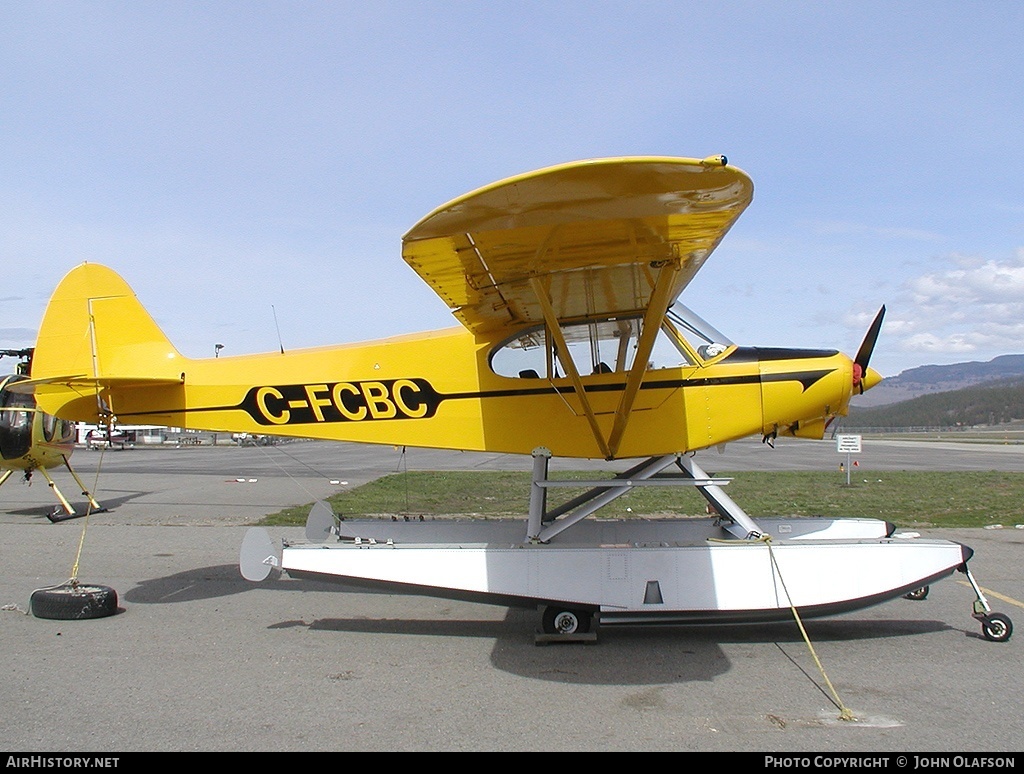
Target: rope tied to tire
(844,712)
(73,580)
(72,599)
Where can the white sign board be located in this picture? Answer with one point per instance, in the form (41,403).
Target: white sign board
(848,444)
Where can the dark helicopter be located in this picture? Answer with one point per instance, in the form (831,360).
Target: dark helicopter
(32,440)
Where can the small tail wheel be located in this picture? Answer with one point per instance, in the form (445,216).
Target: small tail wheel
(996,627)
(562,620)
(918,594)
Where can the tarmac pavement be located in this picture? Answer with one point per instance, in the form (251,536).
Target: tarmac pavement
(198,659)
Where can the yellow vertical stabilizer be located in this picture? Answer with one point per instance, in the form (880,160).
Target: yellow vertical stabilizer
(94,327)
(96,346)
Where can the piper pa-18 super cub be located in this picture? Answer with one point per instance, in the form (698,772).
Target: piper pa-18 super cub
(566,283)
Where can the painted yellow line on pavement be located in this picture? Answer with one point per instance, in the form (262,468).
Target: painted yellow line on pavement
(997,595)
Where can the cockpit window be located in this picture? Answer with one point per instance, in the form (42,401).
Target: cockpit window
(607,346)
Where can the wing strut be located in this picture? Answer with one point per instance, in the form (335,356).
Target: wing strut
(556,333)
(657,307)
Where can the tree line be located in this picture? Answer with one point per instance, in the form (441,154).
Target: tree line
(991,403)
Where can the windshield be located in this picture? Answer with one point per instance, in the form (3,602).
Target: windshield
(702,337)
(15,422)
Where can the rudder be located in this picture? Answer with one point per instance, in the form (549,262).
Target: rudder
(96,330)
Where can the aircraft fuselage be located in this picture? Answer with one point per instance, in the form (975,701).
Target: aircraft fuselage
(437,390)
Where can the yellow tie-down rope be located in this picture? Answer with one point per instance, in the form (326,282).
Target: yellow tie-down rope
(844,712)
(85,521)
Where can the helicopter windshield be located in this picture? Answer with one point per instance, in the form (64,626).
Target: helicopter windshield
(15,422)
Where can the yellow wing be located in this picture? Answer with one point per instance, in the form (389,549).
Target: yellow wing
(593,237)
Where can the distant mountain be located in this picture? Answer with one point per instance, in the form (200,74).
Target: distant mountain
(932,379)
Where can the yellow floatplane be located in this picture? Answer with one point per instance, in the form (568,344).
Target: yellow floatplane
(572,344)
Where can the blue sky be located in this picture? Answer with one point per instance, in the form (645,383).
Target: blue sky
(250,167)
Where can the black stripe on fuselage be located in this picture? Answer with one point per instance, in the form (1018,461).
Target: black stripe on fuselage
(805,378)
(771,354)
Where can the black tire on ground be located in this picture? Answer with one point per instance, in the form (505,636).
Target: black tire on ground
(996,627)
(73,602)
(562,620)
(917,594)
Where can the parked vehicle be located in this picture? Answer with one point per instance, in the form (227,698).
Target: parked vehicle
(109,439)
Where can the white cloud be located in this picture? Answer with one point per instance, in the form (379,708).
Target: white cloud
(974,306)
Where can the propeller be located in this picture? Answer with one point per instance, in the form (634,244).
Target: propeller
(860,363)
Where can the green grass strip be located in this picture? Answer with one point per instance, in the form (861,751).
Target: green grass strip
(909,499)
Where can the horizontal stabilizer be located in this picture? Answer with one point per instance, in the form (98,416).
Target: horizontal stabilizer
(83,383)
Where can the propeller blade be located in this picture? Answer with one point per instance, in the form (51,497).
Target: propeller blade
(860,363)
